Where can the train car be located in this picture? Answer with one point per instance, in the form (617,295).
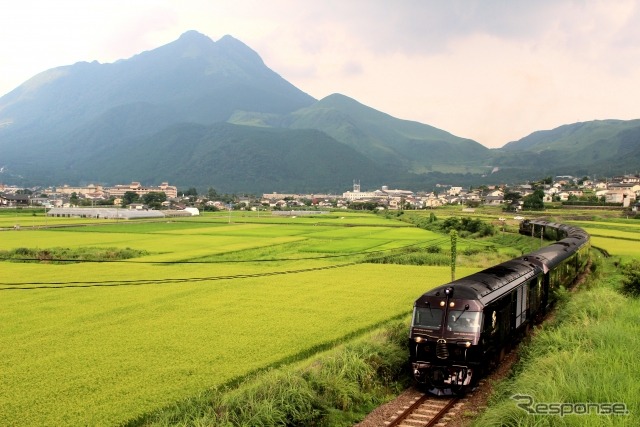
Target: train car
(463,329)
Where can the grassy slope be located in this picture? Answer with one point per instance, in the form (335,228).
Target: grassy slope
(589,353)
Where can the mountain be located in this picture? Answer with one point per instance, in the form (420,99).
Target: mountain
(200,80)
(46,121)
(246,159)
(200,113)
(600,146)
(138,118)
(399,144)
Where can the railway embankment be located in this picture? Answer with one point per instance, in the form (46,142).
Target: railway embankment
(580,368)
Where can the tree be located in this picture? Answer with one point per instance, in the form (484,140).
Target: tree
(74,199)
(212,194)
(534,201)
(154,199)
(190,192)
(512,196)
(130,197)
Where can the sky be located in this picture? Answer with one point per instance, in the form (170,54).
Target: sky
(490,70)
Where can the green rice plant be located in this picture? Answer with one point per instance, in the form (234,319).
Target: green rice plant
(108,354)
(625,249)
(97,343)
(614,233)
(617,224)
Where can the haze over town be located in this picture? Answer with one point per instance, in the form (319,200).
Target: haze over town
(491,71)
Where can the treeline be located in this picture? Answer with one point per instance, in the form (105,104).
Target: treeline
(64,255)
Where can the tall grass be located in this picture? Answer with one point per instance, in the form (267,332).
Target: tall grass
(337,389)
(588,354)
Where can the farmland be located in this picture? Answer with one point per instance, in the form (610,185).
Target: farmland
(213,300)
(210,301)
(620,238)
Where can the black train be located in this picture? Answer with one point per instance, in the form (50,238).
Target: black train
(461,330)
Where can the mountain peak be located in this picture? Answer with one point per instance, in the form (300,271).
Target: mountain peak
(193,35)
(193,44)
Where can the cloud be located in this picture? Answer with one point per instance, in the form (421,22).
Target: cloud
(490,70)
(423,26)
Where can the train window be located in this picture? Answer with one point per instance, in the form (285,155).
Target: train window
(426,317)
(490,321)
(463,321)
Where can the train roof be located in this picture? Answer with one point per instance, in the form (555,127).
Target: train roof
(553,254)
(492,283)
(567,230)
(488,284)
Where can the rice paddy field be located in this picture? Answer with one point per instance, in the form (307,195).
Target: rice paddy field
(620,238)
(212,300)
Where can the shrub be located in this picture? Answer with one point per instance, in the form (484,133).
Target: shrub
(434,249)
(471,251)
(63,255)
(411,256)
(631,280)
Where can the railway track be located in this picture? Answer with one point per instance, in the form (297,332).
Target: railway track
(428,410)
(425,411)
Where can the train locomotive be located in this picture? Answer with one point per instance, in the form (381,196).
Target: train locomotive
(463,329)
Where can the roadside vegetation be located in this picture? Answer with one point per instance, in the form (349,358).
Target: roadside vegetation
(337,388)
(584,361)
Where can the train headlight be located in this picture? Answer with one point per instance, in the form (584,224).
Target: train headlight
(467,344)
(419,339)
(441,303)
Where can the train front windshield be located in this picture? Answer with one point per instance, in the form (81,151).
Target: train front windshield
(463,321)
(427,317)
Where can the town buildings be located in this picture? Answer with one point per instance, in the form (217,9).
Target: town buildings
(624,190)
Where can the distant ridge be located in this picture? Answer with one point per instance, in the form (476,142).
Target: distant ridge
(600,146)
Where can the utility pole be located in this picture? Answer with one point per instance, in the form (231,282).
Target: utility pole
(454,244)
